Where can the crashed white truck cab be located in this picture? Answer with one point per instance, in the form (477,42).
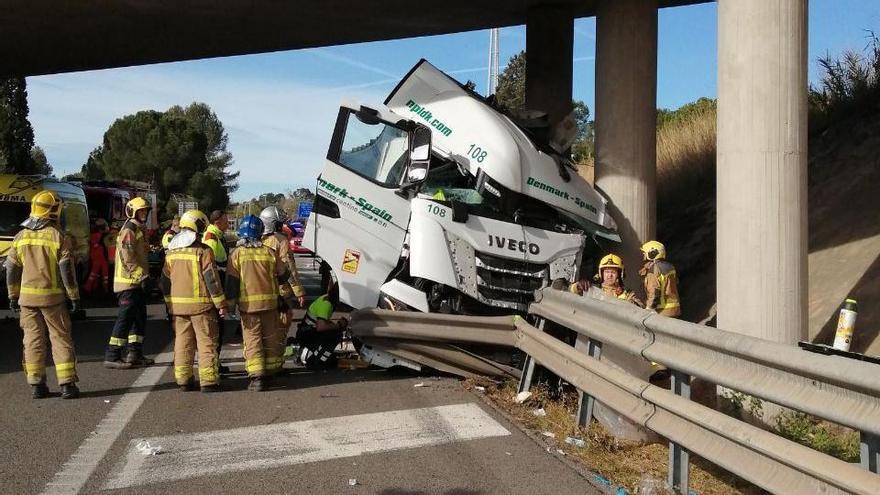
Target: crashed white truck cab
(441,202)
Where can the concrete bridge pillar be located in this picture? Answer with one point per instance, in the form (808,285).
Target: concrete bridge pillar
(762,168)
(626,129)
(549,49)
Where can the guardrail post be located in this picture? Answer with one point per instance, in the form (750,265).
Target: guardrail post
(678,455)
(528,373)
(586,402)
(870,451)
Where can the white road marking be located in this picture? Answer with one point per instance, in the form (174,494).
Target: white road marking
(82,463)
(260,447)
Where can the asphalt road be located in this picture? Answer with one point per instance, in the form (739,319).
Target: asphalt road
(339,431)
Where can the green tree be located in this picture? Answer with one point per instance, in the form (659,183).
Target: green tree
(16,133)
(40,162)
(218,157)
(511,95)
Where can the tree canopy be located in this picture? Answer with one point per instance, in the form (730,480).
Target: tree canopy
(18,155)
(182,150)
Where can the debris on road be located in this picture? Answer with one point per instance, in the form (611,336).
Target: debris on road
(508,453)
(577,442)
(522,397)
(352,482)
(329,396)
(106,401)
(539,412)
(560,452)
(420,385)
(548,434)
(480,389)
(146,449)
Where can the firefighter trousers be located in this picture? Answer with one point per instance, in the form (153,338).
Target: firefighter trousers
(130,324)
(193,332)
(36,323)
(259,337)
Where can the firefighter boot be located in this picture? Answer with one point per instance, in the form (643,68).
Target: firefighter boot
(117,364)
(209,389)
(136,359)
(69,391)
(256,384)
(39,391)
(189,386)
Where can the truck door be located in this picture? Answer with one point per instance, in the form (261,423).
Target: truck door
(360,216)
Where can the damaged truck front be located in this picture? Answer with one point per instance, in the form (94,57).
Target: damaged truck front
(440,202)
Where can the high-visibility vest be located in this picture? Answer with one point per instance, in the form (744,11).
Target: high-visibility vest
(213,238)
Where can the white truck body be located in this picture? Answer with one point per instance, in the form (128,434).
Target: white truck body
(493,221)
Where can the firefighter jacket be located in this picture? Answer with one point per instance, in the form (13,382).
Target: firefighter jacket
(213,238)
(661,288)
(616,291)
(132,265)
(254,275)
(37,265)
(278,242)
(166,238)
(190,281)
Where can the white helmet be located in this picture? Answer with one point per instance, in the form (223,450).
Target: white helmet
(273,218)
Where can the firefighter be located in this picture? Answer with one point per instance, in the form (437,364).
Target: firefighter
(98,265)
(193,294)
(273,222)
(131,271)
(254,275)
(38,263)
(317,334)
(214,237)
(610,276)
(661,281)
(171,232)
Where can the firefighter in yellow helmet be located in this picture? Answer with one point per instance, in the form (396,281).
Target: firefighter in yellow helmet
(610,276)
(661,281)
(131,271)
(273,219)
(39,271)
(193,294)
(253,277)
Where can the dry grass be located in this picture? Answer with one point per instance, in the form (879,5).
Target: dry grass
(624,464)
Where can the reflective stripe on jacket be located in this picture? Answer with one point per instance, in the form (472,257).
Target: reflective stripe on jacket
(278,242)
(190,281)
(132,265)
(661,288)
(40,268)
(252,278)
(213,238)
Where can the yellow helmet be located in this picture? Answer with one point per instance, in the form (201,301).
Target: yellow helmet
(135,205)
(611,261)
(46,204)
(194,220)
(654,250)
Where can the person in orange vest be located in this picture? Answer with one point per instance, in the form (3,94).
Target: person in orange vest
(661,281)
(193,292)
(39,272)
(98,264)
(610,276)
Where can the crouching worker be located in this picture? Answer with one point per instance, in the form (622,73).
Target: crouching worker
(319,336)
(191,285)
(253,274)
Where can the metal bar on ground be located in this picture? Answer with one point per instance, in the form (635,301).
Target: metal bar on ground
(679,457)
(528,374)
(587,402)
(869,452)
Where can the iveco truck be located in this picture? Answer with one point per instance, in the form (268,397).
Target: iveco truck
(441,202)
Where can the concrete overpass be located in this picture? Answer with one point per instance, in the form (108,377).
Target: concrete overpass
(762,82)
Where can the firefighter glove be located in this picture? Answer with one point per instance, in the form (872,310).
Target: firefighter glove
(13,305)
(74,306)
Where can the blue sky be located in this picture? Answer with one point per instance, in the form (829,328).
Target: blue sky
(279,108)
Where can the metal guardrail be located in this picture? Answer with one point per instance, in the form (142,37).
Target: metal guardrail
(844,391)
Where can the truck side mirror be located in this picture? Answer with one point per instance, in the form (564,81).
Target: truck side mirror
(419,154)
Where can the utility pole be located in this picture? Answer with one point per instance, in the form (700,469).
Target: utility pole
(494,43)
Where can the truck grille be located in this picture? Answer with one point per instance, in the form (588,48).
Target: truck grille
(509,283)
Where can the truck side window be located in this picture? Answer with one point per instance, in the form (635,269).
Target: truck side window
(378,152)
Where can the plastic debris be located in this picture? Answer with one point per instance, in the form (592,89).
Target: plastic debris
(577,442)
(522,397)
(560,451)
(621,491)
(420,385)
(352,482)
(548,434)
(480,389)
(106,401)
(145,448)
(601,480)
(508,453)
(539,412)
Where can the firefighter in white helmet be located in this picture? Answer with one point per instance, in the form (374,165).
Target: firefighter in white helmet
(39,272)
(194,296)
(661,281)
(273,221)
(610,276)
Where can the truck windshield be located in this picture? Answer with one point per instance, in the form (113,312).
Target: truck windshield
(11,215)
(485,197)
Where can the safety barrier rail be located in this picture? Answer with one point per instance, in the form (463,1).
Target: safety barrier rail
(841,390)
